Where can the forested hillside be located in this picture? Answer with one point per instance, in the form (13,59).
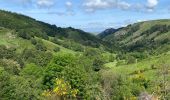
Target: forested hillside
(39,61)
(142,36)
(28,27)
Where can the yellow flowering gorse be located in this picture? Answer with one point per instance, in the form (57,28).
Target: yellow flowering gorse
(62,88)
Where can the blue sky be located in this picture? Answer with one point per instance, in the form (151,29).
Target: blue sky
(90,15)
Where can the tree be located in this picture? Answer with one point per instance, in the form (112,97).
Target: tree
(97,64)
(23,34)
(40,58)
(55,68)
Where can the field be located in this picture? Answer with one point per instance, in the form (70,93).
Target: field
(146,65)
(10,39)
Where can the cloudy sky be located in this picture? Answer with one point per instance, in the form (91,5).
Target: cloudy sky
(90,15)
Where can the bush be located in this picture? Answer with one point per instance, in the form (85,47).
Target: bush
(7,52)
(116,87)
(40,46)
(40,58)
(97,64)
(55,68)
(131,60)
(24,35)
(33,41)
(10,66)
(56,49)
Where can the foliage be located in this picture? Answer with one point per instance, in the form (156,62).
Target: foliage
(23,34)
(7,52)
(56,49)
(62,90)
(55,68)
(10,66)
(40,46)
(33,41)
(37,61)
(40,58)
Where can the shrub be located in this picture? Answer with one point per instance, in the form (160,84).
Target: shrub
(33,41)
(131,60)
(153,66)
(10,66)
(24,35)
(61,91)
(40,58)
(56,49)
(40,46)
(7,52)
(97,64)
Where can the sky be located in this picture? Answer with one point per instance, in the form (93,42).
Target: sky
(90,15)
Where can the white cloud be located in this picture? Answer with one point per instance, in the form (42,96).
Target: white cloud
(69,4)
(123,5)
(152,3)
(93,5)
(45,3)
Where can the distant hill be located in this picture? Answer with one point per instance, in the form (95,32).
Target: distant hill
(107,32)
(148,35)
(31,27)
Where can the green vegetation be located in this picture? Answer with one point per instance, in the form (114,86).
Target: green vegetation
(39,61)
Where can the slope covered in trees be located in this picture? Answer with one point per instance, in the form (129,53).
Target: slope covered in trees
(28,27)
(148,35)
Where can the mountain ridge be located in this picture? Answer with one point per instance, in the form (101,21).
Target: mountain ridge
(33,27)
(143,35)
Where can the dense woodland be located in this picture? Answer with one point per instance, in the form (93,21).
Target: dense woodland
(39,61)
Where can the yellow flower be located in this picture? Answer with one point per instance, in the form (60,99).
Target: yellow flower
(62,88)
(56,89)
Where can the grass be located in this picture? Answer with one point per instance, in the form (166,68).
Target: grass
(10,40)
(51,46)
(142,65)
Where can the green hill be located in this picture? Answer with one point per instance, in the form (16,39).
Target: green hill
(31,27)
(142,36)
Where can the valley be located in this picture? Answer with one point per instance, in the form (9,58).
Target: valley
(40,61)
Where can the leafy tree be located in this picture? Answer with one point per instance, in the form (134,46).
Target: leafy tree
(55,68)
(40,58)
(97,64)
(33,71)
(23,34)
